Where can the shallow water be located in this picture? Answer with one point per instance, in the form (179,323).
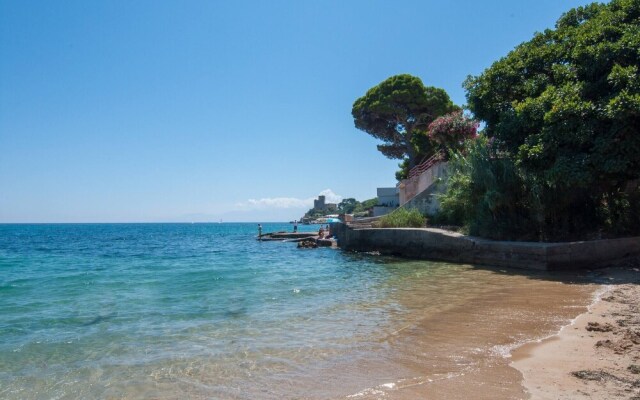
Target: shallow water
(165,311)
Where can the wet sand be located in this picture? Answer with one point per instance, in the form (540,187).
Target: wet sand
(462,350)
(597,356)
(503,343)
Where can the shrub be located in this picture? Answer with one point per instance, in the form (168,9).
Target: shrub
(402,218)
(494,197)
(486,194)
(451,130)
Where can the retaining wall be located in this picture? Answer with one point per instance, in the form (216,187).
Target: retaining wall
(440,245)
(427,201)
(411,187)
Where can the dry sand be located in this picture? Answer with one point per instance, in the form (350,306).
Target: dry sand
(597,356)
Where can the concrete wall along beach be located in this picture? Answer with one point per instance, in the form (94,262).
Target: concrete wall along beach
(441,245)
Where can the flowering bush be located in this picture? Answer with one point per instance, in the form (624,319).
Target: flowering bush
(451,130)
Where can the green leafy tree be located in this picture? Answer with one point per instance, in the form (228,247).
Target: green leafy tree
(398,111)
(565,108)
(347,206)
(366,205)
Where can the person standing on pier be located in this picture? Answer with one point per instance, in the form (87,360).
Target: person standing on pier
(259,231)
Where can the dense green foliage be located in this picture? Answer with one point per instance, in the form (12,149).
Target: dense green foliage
(366,205)
(402,218)
(398,111)
(353,206)
(491,196)
(487,195)
(564,112)
(346,206)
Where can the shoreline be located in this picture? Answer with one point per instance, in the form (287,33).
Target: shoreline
(524,341)
(595,356)
(463,349)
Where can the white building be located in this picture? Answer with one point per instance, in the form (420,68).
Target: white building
(388,200)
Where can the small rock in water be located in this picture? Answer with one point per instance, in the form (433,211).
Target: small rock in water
(307,244)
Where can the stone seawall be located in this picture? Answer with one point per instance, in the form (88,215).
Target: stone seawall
(440,245)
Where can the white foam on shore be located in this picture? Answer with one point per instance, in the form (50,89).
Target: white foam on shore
(375,391)
(366,392)
(596,297)
(388,385)
(504,351)
(380,391)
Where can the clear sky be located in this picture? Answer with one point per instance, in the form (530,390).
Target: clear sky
(150,111)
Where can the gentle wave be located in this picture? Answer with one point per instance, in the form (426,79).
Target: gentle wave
(206,311)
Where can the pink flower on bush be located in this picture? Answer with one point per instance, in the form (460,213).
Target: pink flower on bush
(451,130)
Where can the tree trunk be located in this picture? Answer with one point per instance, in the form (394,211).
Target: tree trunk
(411,151)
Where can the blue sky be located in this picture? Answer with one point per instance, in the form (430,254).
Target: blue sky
(150,111)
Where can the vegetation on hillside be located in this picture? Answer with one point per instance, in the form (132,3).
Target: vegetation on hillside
(346,206)
(561,154)
(353,206)
(487,195)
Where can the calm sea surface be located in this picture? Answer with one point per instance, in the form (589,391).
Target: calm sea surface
(163,311)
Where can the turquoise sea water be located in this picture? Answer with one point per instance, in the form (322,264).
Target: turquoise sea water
(158,310)
(205,311)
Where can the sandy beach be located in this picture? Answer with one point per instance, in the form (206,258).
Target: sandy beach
(597,356)
(550,336)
